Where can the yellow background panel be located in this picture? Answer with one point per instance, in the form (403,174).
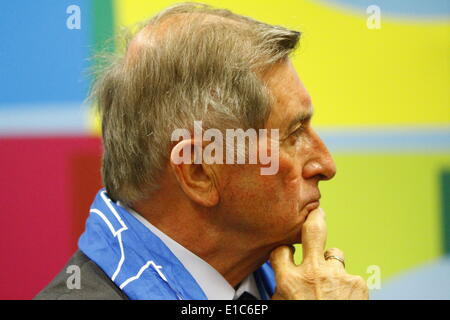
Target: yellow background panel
(399,74)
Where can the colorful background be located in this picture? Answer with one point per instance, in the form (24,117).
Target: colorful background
(382,104)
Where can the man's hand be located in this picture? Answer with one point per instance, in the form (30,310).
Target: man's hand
(315,278)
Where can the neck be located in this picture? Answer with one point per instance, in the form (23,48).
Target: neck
(232,254)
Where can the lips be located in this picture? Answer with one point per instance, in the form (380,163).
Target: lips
(312,205)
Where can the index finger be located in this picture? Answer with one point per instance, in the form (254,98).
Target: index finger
(314,235)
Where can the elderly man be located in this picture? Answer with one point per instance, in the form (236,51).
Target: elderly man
(202,229)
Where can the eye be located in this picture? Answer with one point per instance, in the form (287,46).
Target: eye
(298,131)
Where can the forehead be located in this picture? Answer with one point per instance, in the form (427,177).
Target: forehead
(290,97)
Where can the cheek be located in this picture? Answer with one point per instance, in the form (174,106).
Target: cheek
(248,188)
(290,175)
(279,193)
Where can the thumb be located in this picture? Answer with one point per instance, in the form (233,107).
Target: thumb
(282,258)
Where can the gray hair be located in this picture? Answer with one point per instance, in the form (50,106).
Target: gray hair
(205,64)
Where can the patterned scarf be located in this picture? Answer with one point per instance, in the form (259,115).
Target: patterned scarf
(138,262)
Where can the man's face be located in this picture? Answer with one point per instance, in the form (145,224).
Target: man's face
(272,208)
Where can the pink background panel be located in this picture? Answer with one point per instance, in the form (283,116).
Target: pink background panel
(46,187)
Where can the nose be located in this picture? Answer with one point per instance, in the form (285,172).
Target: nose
(321,164)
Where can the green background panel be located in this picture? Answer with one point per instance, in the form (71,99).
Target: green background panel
(104,25)
(445,199)
(385,210)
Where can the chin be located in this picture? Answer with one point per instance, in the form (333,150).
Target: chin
(295,233)
(291,228)
(294,236)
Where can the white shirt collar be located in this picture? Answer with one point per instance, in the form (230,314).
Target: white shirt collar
(213,284)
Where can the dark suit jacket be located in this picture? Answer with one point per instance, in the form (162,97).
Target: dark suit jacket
(95,284)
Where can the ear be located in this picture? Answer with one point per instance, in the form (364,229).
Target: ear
(196,178)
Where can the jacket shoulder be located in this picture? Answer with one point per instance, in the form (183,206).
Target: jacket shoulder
(94,283)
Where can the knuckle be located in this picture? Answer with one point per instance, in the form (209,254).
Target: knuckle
(287,278)
(315,275)
(311,267)
(322,277)
(358,281)
(363,285)
(309,275)
(334,251)
(276,252)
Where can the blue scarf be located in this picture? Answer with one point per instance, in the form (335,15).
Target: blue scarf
(138,262)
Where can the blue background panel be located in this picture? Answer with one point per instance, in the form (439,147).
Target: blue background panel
(41,60)
(416,8)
